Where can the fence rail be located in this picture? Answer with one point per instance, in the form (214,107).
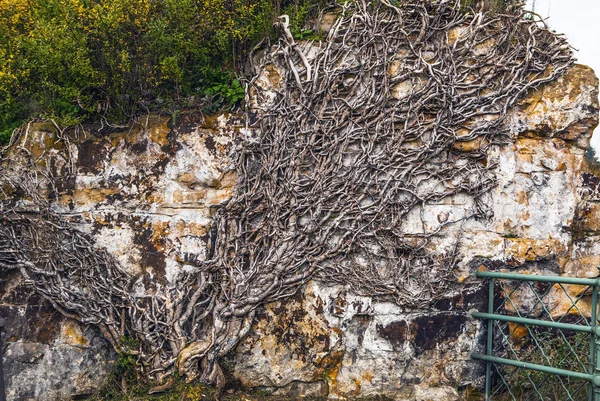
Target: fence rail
(527,332)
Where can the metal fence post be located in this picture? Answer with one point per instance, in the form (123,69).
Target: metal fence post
(2,388)
(595,346)
(593,340)
(490,337)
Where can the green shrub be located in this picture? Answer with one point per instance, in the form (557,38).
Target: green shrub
(299,12)
(72,60)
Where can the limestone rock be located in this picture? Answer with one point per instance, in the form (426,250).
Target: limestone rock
(48,357)
(138,193)
(143,192)
(544,210)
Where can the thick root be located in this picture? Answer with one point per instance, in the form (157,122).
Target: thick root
(163,387)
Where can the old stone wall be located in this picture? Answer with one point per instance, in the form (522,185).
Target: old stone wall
(144,191)
(543,222)
(139,193)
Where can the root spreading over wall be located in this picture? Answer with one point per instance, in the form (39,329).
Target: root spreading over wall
(394,111)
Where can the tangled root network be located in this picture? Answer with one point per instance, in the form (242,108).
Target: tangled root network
(364,131)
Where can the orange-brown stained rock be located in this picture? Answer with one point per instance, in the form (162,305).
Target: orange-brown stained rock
(6,191)
(517,332)
(568,85)
(71,333)
(526,249)
(160,231)
(90,196)
(368,375)
(190,228)
(455,34)
(187,178)
(589,219)
(273,75)
(297,342)
(561,302)
(470,146)
(547,107)
(158,129)
(522,198)
(589,264)
(41,138)
(217,197)
(228,180)
(329,366)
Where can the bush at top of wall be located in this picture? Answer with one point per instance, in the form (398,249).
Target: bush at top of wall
(76,60)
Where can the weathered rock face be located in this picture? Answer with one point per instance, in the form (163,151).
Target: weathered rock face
(47,357)
(355,346)
(543,222)
(136,193)
(142,192)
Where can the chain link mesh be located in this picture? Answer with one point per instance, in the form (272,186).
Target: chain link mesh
(554,347)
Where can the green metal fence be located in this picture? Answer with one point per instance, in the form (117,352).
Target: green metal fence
(543,338)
